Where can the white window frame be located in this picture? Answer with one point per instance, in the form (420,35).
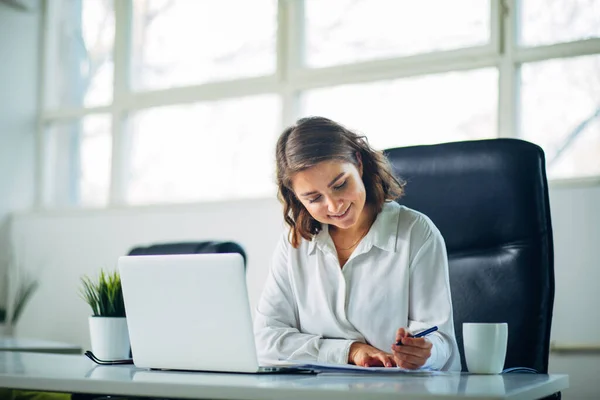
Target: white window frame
(292,78)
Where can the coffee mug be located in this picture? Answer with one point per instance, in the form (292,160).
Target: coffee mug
(485,346)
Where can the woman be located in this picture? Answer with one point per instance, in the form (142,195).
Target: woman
(356,272)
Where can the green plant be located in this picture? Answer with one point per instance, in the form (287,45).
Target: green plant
(18,299)
(104,295)
(23,294)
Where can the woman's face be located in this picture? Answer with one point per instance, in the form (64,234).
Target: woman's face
(332,191)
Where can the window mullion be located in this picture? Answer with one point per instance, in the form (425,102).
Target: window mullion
(508,101)
(496,25)
(121,93)
(290,47)
(46,87)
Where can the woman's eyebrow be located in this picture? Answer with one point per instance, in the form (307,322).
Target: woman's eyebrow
(330,185)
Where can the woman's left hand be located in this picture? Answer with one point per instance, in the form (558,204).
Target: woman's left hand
(413,353)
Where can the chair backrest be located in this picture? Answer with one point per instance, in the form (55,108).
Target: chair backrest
(190,248)
(489,199)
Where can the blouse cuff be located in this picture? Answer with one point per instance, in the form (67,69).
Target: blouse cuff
(439,353)
(334,351)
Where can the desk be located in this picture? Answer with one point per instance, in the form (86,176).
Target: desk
(70,373)
(37,346)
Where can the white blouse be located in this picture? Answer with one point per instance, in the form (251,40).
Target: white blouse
(311,309)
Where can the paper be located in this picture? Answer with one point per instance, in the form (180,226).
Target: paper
(348,368)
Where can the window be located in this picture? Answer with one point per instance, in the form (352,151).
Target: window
(345,31)
(545,22)
(170,101)
(561,112)
(410,111)
(204,151)
(79,161)
(185,42)
(82,71)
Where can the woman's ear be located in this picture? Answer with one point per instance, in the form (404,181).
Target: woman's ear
(360,164)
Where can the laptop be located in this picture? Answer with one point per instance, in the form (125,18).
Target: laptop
(190,312)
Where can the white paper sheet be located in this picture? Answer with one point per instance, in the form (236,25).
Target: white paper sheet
(349,368)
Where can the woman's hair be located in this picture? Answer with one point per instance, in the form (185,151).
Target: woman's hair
(313,140)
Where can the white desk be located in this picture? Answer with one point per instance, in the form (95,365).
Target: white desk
(37,346)
(70,373)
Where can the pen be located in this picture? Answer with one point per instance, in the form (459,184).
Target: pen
(421,334)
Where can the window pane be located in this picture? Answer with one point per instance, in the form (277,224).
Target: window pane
(546,22)
(345,31)
(79,160)
(83,75)
(182,42)
(204,151)
(560,111)
(429,109)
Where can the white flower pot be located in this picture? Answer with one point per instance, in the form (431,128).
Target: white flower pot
(109,337)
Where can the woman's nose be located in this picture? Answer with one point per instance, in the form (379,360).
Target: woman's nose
(334,205)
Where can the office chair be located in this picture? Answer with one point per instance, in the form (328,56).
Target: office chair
(190,248)
(489,199)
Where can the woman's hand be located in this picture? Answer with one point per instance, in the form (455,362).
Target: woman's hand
(413,353)
(364,355)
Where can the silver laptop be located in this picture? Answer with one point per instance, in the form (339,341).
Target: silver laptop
(190,312)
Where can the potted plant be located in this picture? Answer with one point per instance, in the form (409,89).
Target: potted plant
(108,324)
(19,287)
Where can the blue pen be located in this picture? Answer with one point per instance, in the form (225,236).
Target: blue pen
(421,334)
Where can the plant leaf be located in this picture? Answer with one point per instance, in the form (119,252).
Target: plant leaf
(22,298)
(105,296)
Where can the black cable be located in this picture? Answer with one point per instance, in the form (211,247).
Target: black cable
(520,370)
(95,359)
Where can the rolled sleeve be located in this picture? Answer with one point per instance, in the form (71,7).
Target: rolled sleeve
(334,351)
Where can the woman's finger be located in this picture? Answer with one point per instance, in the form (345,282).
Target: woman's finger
(378,360)
(370,361)
(400,333)
(417,360)
(367,361)
(363,362)
(408,365)
(415,351)
(392,360)
(383,360)
(417,342)
(388,360)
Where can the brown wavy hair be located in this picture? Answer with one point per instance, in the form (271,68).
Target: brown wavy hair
(313,140)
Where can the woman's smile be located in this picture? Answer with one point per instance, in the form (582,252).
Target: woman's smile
(342,215)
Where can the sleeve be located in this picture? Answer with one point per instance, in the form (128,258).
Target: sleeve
(430,301)
(276,323)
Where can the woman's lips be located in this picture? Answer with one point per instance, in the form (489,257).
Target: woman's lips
(342,215)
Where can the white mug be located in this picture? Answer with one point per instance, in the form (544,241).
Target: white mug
(485,347)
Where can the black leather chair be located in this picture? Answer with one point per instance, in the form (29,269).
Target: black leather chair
(489,199)
(190,248)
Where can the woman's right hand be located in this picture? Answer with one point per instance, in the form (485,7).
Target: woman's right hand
(364,355)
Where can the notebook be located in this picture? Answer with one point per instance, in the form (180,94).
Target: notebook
(191,312)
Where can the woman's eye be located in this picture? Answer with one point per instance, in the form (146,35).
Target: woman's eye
(338,187)
(315,199)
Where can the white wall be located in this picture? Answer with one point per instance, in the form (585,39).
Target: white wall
(18,107)
(576,223)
